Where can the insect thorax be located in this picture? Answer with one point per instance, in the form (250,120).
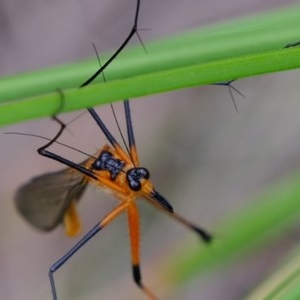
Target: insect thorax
(106,161)
(118,170)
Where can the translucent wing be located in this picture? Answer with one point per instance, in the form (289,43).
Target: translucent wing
(44,201)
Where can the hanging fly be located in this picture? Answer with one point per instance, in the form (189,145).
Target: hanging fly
(51,199)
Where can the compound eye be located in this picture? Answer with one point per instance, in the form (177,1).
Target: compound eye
(144,173)
(134,177)
(135,185)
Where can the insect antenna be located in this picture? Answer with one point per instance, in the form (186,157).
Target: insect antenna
(66,146)
(119,129)
(55,142)
(75,118)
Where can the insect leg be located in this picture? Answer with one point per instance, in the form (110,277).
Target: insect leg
(292,44)
(106,220)
(59,133)
(119,50)
(130,134)
(155,199)
(230,89)
(134,229)
(42,151)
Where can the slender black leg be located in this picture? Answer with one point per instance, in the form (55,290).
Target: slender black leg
(231,88)
(42,151)
(119,50)
(131,140)
(292,44)
(106,220)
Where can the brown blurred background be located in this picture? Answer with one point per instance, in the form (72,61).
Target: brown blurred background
(204,157)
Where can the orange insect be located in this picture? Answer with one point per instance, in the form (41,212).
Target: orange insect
(50,199)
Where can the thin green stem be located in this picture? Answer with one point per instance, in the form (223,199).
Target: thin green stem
(218,53)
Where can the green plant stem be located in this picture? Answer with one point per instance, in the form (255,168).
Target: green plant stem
(284,284)
(219,53)
(143,85)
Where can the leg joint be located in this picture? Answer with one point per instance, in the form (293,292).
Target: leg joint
(137,275)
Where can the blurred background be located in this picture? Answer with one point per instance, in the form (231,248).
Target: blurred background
(206,158)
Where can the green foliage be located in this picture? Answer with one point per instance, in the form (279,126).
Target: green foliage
(249,227)
(218,53)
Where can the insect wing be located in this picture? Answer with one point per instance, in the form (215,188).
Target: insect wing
(44,200)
